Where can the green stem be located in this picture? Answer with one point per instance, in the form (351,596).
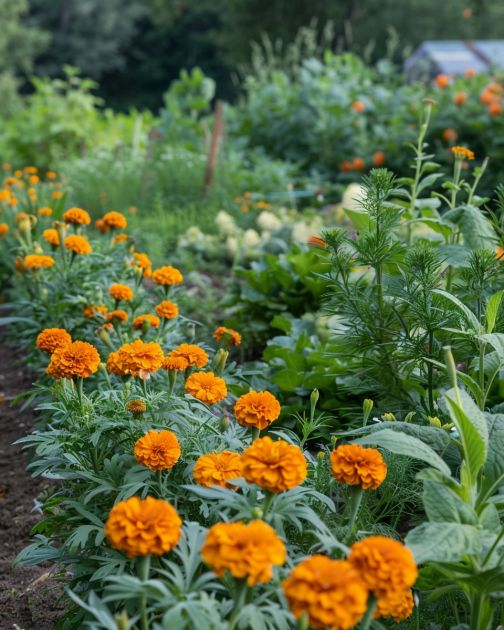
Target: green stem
(80,393)
(368,617)
(268,498)
(481,373)
(256,431)
(430,374)
(239,600)
(353,509)
(143,568)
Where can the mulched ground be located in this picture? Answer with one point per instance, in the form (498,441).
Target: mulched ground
(28,596)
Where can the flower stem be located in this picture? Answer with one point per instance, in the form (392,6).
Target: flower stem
(353,509)
(368,617)
(143,568)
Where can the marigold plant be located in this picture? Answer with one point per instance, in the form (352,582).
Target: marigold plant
(462,153)
(136,406)
(193,355)
(157,450)
(51,236)
(357,466)
(38,261)
(167,276)
(76,359)
(141,527)
(139,358)
(51,338)
(330,592)
(115,220)
(397,604)
(245,550)
(207,387)
(167,309)
(77,216)
(228,335)
(117,315)
(78,244)
(274,466)
(216,469)
(121,292)
(257,409)
(148,320)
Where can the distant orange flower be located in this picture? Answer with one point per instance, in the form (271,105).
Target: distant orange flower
(4,228)
(207,387)
(148,320)
(450,135)
(51,236)
(78,245)
(462,153)
(275,466)
(358,164)
(167,276)
(30,170)
(118,315)
(216,469)
(167,309)
(51,338)
(38,261)
(245,550)
(121,292)
(316,241)
(120,238)
(398,605)
(470,73)
(499,253)
(230,336)
(495,108)
(44,212)
(94,310)
(442,81)
(77,216)
(138,358)
(378,158)
(357,466)
(115,220)
(158,450)
(346,166)
(143,527)
(460,98)
(257,409)
(76,359)
(51,175)
(358,106)
(191,353)
(101,225)
(330,592)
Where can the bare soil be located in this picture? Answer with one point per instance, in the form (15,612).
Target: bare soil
(28,595)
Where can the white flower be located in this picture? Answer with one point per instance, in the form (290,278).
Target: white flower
(231,246)
(251,238)
(225,223)
(268,221)
(351,197)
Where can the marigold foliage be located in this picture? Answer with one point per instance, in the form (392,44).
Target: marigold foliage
(274,466)
(157,450)
(141,527)
(76,359)
(357,466)
(257,409)
(246,551)
(216,469)
(207,387)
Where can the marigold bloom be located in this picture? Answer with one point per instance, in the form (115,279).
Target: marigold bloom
(51,338)
(143,262)
(459,98)
(121,292)
(257,409)
(77,358)
(462,153)
(450,135)
(44,212)
(137,407)
(157,450)
(346,166)
(487,96)
(4,195)
(358,164)
(114,366)
(77,216)
(246,551)
(151,321)
(139,358)
(386,565)
(216,469)
(167,309)
(378,158)
(30,170)
(51,236)
(4,228)
(94,310)
(316,241)
(167,276)
(142,527)
(115,220)
(230,336)
(120,238)
(357,466)
(274,466)
(118,315)
(51,175)
(38,261)
(398,605)
(101,225)
(499,253)
(175,364)
(78,245)
(33,180)
(207,387)
(495,108)
(191,353)
(330,592)
(442,81)
(358,106)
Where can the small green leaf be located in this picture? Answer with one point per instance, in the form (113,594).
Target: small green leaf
(443,542)
(492,310)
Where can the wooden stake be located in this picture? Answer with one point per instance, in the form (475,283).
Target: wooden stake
(214,147)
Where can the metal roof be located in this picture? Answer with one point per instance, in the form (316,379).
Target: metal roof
(456,56)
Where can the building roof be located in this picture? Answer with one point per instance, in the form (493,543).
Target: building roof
(456,56)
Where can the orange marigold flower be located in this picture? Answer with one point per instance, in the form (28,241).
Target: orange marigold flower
(346,166)
(143,262)
(230,336)
(4,195)
(246,551)
(51,175)
(194,355)
(51,338)
(167,309)
(470,73)
(357,466)
(120,238)
(378,158)
(94,310)
(57,194)
(143,527)
(137,407)
(330,592)
(117,315)
(386,565)
(30,170)
(38,261)
(257,409)
(77,358)
(101,225)
(175,364)
(51,236)
(207,387)
(33,180)
(148,320)
(114,366)
(358,106)
(442,81)
(77,216)
(316,241)
(78,245)
(167,276)
(4,228)
(216,469)
(459,98)
(398,605)
(450,135)
(121,292)
(115,220)
(139,358)
(499,253)
(495,108)
(462,153)
(358,164)
(157,450)
(44,212)
(274,466)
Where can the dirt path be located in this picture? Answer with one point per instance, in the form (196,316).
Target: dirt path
(27,595)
